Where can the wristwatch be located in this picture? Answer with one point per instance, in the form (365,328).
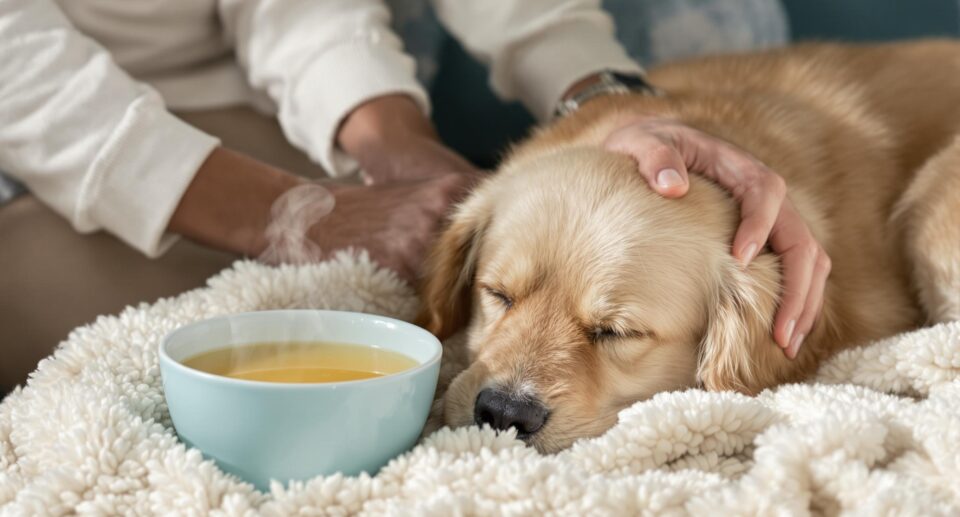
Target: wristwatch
(610,83)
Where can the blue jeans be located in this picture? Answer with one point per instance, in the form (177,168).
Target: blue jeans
(652,31)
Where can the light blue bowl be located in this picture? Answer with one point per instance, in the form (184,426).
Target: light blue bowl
(262,431)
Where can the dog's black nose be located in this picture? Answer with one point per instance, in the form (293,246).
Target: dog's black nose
(501,411)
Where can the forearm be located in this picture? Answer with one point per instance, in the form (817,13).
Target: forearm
(536,48)
(352,57)
(227,205)
(393,140)
(381,122)
(93,144)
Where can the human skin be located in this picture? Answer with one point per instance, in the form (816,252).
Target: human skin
(412,179)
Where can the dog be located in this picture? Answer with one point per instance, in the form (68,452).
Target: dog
(581,291)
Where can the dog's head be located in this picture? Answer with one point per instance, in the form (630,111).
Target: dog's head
(583,291)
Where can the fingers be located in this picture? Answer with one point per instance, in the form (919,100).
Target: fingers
(813,305)
(659,161)
(424,215)
(759,191)
(760,204)
(663,147)
(800,254)
(405,240)
(798,273)
(464,183)
(395,222)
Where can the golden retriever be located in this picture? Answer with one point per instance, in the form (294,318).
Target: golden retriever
(582,291)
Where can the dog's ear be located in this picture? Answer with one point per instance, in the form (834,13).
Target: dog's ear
(450,268)
(738,351)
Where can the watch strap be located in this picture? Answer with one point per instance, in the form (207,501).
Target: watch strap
(609,83)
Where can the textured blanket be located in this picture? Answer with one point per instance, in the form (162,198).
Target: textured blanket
(878,432)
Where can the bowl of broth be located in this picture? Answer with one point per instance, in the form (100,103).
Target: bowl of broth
(289,395)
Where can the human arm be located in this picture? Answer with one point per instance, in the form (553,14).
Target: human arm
(347,96)
(545,51)
(346,92)
(393,140)
(320,62)
(536,49)
(89,141)
(542,51)
(231,204)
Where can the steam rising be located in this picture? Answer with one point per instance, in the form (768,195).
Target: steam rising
(291,217)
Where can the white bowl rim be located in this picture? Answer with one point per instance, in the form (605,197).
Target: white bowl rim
(409,372)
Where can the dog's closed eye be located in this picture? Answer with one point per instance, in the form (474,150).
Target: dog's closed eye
(604,333)
(499,296)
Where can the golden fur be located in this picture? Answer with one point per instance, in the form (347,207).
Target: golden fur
(618,293)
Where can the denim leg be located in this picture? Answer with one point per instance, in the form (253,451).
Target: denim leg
(654,31)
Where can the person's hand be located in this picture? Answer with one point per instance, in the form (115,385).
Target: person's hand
(666,150)
(392,140)
(411,177)
(232,205)
(394,222)
(411,157)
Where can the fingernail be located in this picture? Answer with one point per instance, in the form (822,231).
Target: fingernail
(668,178)
(790,325)
(795,346)
(747,254)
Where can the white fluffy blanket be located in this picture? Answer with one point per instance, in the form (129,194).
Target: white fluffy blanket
(877,433)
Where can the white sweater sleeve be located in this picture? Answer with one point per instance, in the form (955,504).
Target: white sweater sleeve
(536,49)
(93,144)
(318,60)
